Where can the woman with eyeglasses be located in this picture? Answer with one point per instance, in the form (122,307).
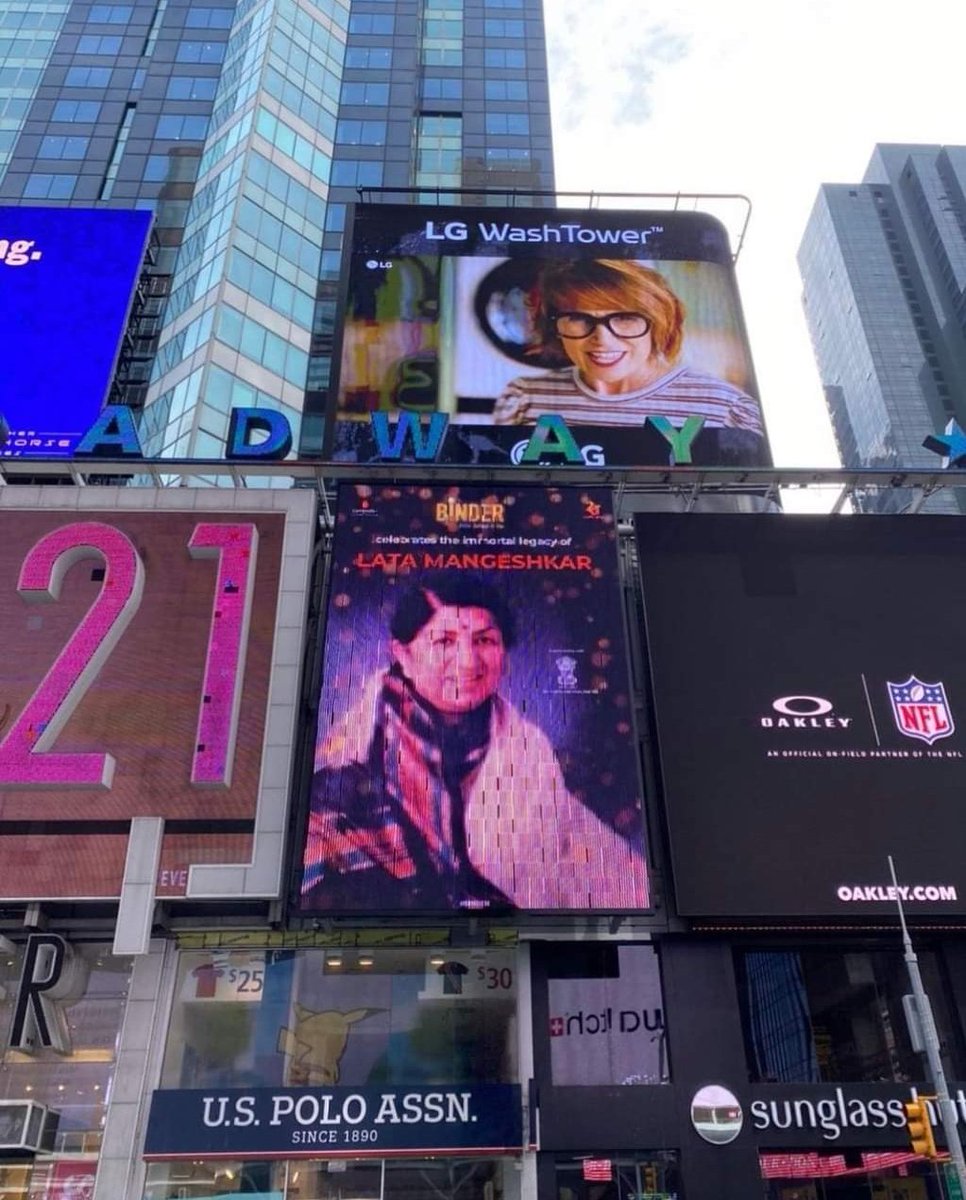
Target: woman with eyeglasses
(620,327)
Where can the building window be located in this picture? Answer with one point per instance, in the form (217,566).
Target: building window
(439,151)
(426,1016)
(361,133)
(514,124)
(110,14)
(76,110)
(55,146)
(493,57)
(494,28)
(172,127)
(154,29)
(375,23)
(356,173)
(117,151)
(77,1085)
(50,187)
(365,93)
(87,77)
(208,18)
(192,87)
(92,43)
(200,52)
(505,89)
(368,57)
(830,1016)
(657,1174)
(442,89)
(507,158)
(442,37)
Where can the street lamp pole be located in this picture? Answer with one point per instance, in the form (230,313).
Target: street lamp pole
(930,1038)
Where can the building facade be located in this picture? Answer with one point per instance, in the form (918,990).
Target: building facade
(883,265)
(247,128)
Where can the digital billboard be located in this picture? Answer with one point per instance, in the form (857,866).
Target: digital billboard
(475,746)
(67,279)
(497,337)
(811,710)
(141,677)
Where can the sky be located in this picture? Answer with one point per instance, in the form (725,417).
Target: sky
(766,98)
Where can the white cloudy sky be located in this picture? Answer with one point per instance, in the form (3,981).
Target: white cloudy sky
(768,98)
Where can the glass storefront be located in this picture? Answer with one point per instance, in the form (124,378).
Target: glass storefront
(835,1015)
(337,1179)
(858,1175)
(74,1085)
(385,1022)
(299,1018)
(654,1176)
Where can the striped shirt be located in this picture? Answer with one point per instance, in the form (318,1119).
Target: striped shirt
(682,392)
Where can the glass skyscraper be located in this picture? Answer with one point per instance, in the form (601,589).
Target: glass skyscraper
(248,126)
(883,264)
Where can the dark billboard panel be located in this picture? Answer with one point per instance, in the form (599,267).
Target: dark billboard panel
(475,748)
(67,279)
(140,655)
(811,710)
(498,337)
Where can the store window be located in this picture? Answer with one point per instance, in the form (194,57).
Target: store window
(606,1016)
(73,1086)
(829,1016)
(855,1175)
(336,1179)
(304,1018)
(619,1177)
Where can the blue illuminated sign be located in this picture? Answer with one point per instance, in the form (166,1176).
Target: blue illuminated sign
(67,278)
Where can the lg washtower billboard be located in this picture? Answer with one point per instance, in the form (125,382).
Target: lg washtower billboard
(498,337)
(475,748)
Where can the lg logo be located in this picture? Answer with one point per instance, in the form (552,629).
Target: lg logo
(592,455)
(804,712)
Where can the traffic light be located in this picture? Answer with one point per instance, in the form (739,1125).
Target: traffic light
(919,1127)
(649,1179)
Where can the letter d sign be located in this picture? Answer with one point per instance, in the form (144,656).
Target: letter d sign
(38,1021)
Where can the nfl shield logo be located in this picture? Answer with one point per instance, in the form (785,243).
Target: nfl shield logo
(921,709)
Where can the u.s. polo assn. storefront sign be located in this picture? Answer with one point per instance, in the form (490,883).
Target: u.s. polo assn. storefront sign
(329,1122)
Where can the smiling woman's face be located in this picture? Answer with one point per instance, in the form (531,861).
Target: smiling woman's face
(609,364)
(456,660)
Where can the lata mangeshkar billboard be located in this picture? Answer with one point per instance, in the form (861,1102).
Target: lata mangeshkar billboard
(475,746)
(499,337)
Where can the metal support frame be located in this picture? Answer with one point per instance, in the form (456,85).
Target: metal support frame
(689,483)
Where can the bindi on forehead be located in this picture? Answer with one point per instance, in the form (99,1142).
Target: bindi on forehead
(462,620)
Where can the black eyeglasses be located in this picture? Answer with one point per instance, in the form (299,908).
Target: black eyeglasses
(582,325)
